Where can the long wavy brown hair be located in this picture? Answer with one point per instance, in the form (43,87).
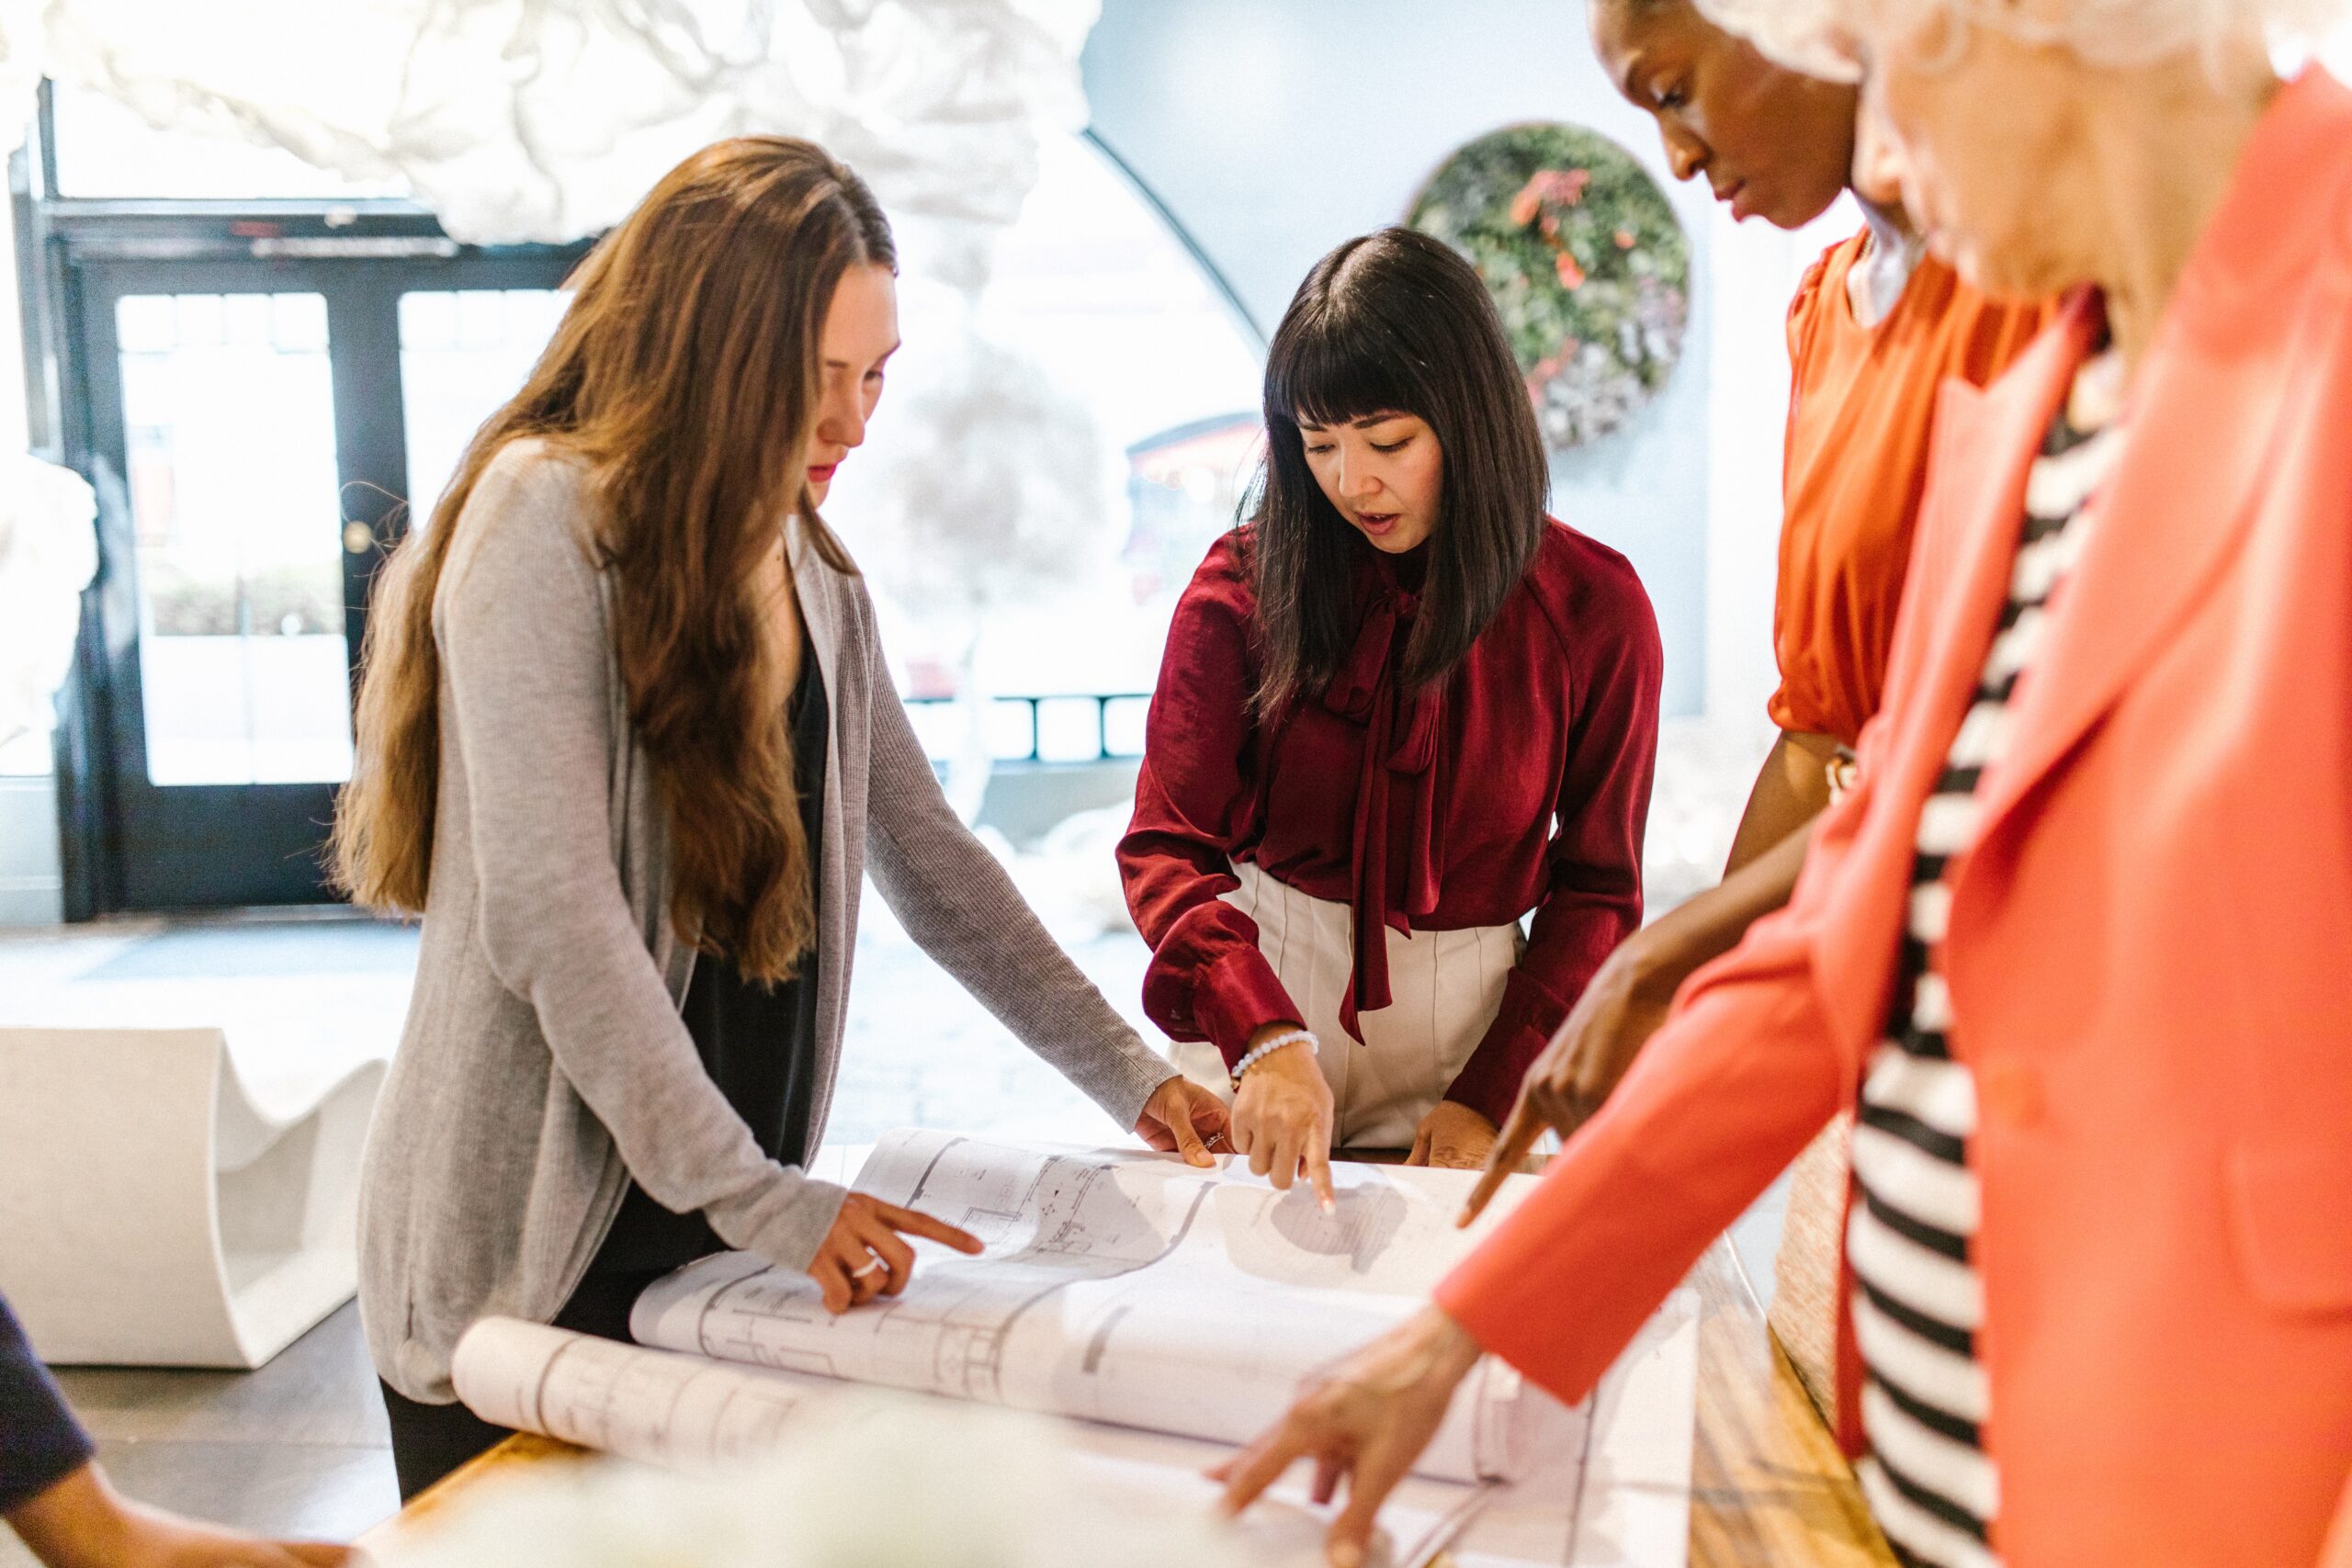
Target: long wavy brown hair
(687,375)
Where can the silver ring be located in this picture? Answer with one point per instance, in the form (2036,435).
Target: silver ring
(871,1266)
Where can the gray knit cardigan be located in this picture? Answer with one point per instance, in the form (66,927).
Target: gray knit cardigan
(544,1063)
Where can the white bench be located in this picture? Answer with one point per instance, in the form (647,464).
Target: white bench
(152,1214)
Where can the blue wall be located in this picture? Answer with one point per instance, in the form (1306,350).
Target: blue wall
(1272,130)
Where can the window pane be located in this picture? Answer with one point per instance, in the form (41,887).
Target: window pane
(1067,730)
(1010,732)
(228,412)
(1123,725)
(462,354)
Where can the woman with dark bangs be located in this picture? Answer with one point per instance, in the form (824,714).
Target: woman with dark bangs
(1400,709)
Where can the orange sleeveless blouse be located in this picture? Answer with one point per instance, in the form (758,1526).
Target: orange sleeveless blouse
(1861,402)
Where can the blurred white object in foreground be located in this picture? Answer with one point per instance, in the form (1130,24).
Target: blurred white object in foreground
(872,1479)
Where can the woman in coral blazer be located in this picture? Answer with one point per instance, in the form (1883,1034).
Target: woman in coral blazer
(2150,928)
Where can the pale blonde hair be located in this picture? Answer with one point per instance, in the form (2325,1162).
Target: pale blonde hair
(1818,37)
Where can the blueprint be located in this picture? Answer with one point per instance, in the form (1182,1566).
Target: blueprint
(1121,1287)
(1170,1312)
(686,1413)
(679,1412)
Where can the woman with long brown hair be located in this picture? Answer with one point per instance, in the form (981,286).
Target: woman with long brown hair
(627,741)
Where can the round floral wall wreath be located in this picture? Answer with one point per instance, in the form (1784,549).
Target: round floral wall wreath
(1586,261)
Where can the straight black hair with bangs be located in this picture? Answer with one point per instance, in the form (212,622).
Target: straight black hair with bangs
(1391,322)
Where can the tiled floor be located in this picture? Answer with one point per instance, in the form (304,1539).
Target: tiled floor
(299,1445)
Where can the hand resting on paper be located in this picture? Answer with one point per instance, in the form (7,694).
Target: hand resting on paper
(1452,1137)
(1365,1421)
(1182,1117)
(866,1255)
(1624,1005)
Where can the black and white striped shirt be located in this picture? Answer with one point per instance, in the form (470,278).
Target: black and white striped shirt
(1919,1303)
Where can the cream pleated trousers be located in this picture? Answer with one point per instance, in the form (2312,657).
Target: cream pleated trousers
(1445,989)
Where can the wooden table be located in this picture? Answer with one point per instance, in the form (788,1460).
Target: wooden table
(1768,1487)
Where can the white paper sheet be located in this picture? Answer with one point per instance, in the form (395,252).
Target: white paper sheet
(688,1413)
(1121,1288)
(1139,1296)
(679,1412)
(1612,1492)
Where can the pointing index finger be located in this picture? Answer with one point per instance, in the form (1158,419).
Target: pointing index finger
(1259,1466)
(914,1222)
(1518,1136)
(1319,1171)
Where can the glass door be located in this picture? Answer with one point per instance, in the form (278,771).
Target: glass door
(256,431)
(229,458)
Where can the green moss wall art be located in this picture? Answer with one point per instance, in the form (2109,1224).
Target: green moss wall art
(1586,261)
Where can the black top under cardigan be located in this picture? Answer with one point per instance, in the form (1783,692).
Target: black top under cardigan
(758,1043)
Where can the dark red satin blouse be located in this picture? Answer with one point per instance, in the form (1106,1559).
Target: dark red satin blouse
(1521,782)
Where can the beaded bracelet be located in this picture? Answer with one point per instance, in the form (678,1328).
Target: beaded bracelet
(1258,1053)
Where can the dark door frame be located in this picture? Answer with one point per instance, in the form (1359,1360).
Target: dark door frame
(128,844)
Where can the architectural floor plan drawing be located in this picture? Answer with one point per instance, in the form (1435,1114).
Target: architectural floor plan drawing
(689,1413)
(679,1412)
(1119,1288)
(1164,1313)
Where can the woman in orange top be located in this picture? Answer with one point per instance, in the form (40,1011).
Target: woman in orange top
(2101,846)
(1876,327)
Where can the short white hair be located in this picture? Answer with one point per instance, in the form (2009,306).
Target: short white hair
(1816,36)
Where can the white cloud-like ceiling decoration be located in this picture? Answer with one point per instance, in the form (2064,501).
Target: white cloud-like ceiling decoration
(541,121)
(546,119)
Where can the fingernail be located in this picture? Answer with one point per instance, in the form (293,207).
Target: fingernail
(1347,1554)
(1328,1206)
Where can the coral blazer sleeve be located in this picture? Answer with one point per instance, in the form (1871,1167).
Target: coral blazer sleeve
(1195,804)
(2338,1554)
(1716,1106)
(1744,1072)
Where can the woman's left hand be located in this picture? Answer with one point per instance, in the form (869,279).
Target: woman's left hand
(1453,1135)
(1366,1420)
(1182,1117)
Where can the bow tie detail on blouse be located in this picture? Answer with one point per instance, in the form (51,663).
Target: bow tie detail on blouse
(1394,857)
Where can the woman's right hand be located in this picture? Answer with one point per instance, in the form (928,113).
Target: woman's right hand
(866,1255)
(1282,1115)
(1624,1003)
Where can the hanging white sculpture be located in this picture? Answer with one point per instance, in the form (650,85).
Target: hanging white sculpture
(547,120)
(989,488)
